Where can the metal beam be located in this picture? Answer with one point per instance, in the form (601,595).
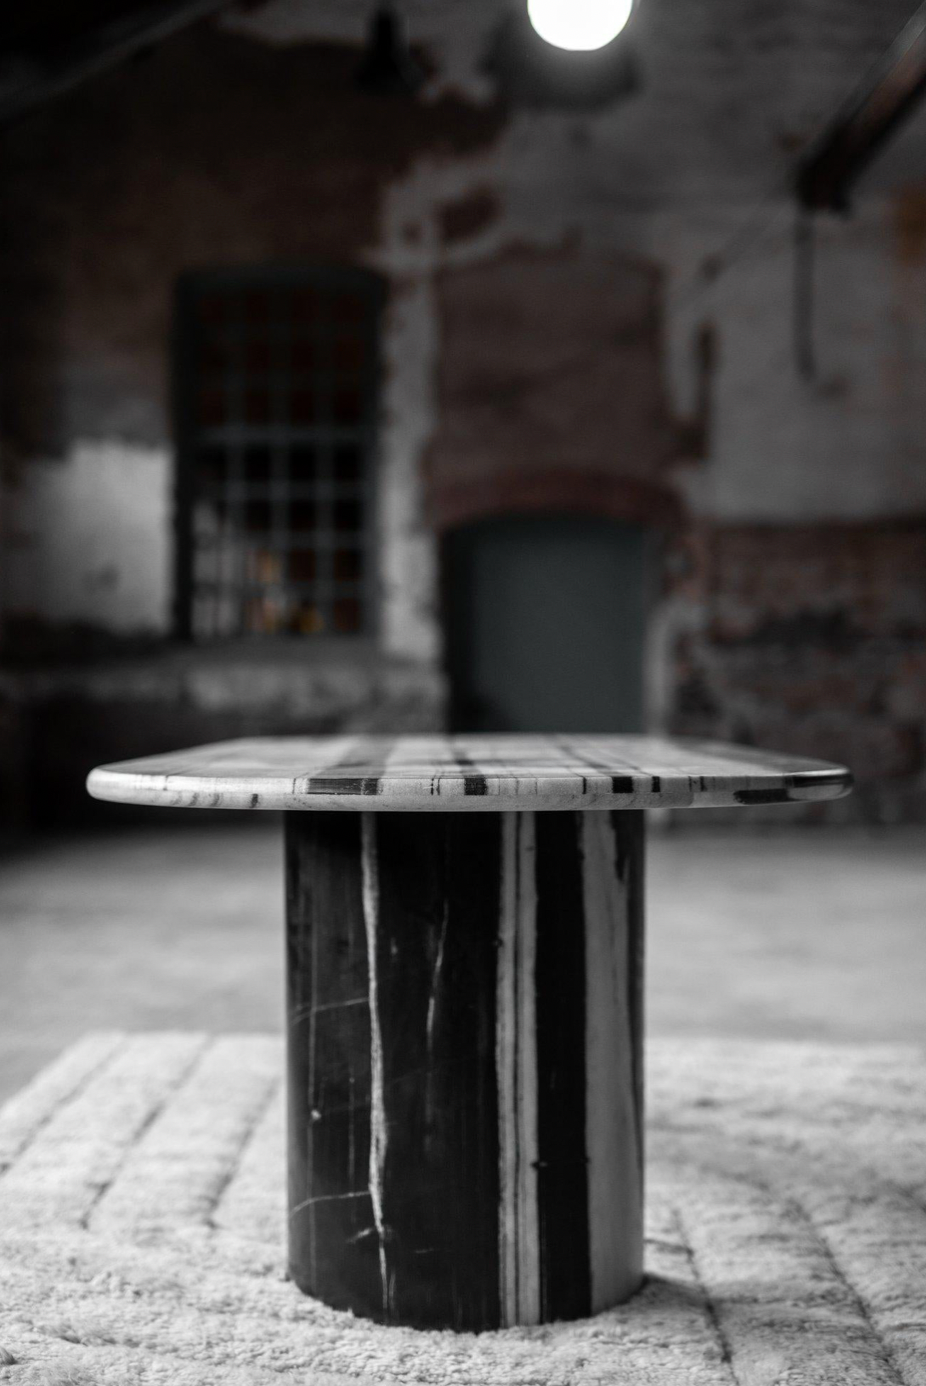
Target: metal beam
(32,82)
(829,169)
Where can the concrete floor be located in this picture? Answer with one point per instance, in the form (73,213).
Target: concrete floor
(809,934)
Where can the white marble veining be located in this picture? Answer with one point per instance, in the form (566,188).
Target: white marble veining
(492,773)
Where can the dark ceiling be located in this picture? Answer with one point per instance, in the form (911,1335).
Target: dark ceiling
(48,46)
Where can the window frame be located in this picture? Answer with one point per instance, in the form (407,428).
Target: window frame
(188,438)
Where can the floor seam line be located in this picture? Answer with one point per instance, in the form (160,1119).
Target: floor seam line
(66,1102)
(710,1309)
(83,1222)
(262,1109)
(842,1275)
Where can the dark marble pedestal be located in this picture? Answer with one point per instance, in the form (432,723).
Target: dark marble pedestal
(465,1063)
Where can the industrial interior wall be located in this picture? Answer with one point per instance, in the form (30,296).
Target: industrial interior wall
(654,221)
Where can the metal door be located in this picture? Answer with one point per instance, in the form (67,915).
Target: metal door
(545,624)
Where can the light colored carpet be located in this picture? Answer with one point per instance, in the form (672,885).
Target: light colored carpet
(141,1224)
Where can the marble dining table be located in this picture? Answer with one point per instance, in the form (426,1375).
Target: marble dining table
(464,937)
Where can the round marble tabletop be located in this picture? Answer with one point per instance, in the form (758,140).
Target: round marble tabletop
(495,773)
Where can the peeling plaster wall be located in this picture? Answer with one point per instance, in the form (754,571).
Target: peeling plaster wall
(88,539)
(245,140)
(847,444)
(408,560)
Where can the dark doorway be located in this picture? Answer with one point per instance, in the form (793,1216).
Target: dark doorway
(545,620)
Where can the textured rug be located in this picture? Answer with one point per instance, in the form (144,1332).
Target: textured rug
(141,1230)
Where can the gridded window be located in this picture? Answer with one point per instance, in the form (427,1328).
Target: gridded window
(276,395)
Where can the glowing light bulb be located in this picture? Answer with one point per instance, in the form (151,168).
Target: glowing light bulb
(579,25)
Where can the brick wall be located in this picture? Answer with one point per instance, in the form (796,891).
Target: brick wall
(812,639)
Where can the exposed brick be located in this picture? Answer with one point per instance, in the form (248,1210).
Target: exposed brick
(467,216)
(814,643)
(550,379)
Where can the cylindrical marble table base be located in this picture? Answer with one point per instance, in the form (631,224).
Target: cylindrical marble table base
(465,1085)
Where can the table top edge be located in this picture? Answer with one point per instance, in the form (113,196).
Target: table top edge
(729,775)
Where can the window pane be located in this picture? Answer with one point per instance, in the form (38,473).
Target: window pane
(347,615)
(302,515)
(305,618)
(213,466)
(347,462)
(302,566)
(348,565)
(257,515)
(258,464)
(347,404)
(207,563)
(264,567)
(348,515)
(347,353)
(302,468)
(263,615)
(216,612)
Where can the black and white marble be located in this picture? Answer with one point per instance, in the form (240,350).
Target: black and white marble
(487,773)
(465,1064)
(465,1001)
